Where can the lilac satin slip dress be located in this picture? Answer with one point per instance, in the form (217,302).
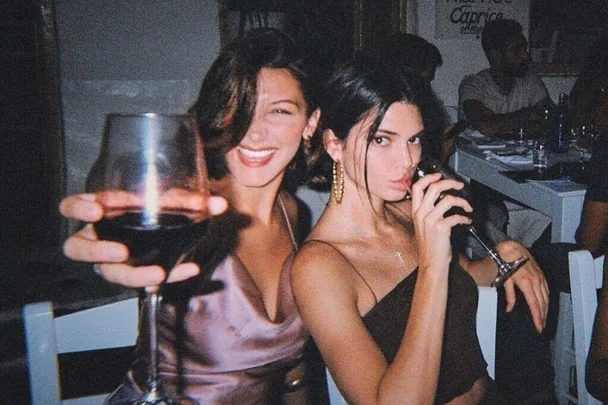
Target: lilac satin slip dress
(231,351)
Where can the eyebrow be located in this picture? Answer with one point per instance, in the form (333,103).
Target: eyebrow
(287,100)
(387,132)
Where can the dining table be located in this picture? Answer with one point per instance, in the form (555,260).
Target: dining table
(557,191)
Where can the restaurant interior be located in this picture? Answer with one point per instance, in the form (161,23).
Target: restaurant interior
(66,64)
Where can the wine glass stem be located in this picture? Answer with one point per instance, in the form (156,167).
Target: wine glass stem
(488,249)
(154,299)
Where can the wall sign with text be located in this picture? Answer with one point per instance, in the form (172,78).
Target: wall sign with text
(464,19)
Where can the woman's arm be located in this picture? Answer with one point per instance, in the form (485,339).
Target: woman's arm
(529,279)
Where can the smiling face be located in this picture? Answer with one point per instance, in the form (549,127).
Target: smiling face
(278,123)
(393,153)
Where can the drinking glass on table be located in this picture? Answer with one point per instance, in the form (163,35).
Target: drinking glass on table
(428,165)
(585,137)
(151,179)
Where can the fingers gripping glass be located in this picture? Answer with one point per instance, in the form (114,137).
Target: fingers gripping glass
(151,179)
(429,165)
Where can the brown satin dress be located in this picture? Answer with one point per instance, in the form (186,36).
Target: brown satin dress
(230,351)
(462,361)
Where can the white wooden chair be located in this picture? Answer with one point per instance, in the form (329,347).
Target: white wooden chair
(563,356)
(46,336)
(486,331)
(575,324)
(585,278)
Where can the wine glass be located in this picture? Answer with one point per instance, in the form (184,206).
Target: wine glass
(428,165)
(151,179)
(585,137)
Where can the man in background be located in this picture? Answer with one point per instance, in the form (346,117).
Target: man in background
(504,97)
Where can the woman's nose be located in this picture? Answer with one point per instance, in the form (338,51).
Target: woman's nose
(256,131)
(404,157)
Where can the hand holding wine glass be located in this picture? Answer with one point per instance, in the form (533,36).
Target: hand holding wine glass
(151,180)
(111,257)
(429,165)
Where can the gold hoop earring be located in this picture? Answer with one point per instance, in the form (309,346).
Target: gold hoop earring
(338,181)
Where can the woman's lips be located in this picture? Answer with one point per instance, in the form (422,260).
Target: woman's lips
(403,184)
(255,158)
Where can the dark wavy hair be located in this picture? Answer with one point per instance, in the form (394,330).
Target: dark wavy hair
(356,89)
(228,94)
(411,53)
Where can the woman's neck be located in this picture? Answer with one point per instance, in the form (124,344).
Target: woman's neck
(256,202)
(366,218)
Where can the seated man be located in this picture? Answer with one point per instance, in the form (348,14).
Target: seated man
(498,101)
(505,97)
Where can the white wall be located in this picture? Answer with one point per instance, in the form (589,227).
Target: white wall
(128,56)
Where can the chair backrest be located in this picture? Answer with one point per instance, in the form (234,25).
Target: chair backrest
(46,336)
(586,276)
(487,306)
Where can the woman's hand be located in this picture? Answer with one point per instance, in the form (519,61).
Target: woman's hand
(433,230)
(529,279)
(111,256)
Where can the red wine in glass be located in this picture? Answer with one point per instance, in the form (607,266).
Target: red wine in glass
(428,165)
(163,243)
(151,179)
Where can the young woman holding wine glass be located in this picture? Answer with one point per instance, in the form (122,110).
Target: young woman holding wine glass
(233,333)
(377,285)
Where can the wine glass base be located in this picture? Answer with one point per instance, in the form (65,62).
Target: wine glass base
(506,270)
(170,400)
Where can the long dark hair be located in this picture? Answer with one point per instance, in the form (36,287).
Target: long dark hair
(356,89)
(227,97)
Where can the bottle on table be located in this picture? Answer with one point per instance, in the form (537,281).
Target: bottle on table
(560,137)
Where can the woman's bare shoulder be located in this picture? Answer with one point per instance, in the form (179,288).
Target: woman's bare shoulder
(322,277)
(320,258)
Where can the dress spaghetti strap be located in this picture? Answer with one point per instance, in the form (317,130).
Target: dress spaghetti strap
(291,234)
(349,262)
